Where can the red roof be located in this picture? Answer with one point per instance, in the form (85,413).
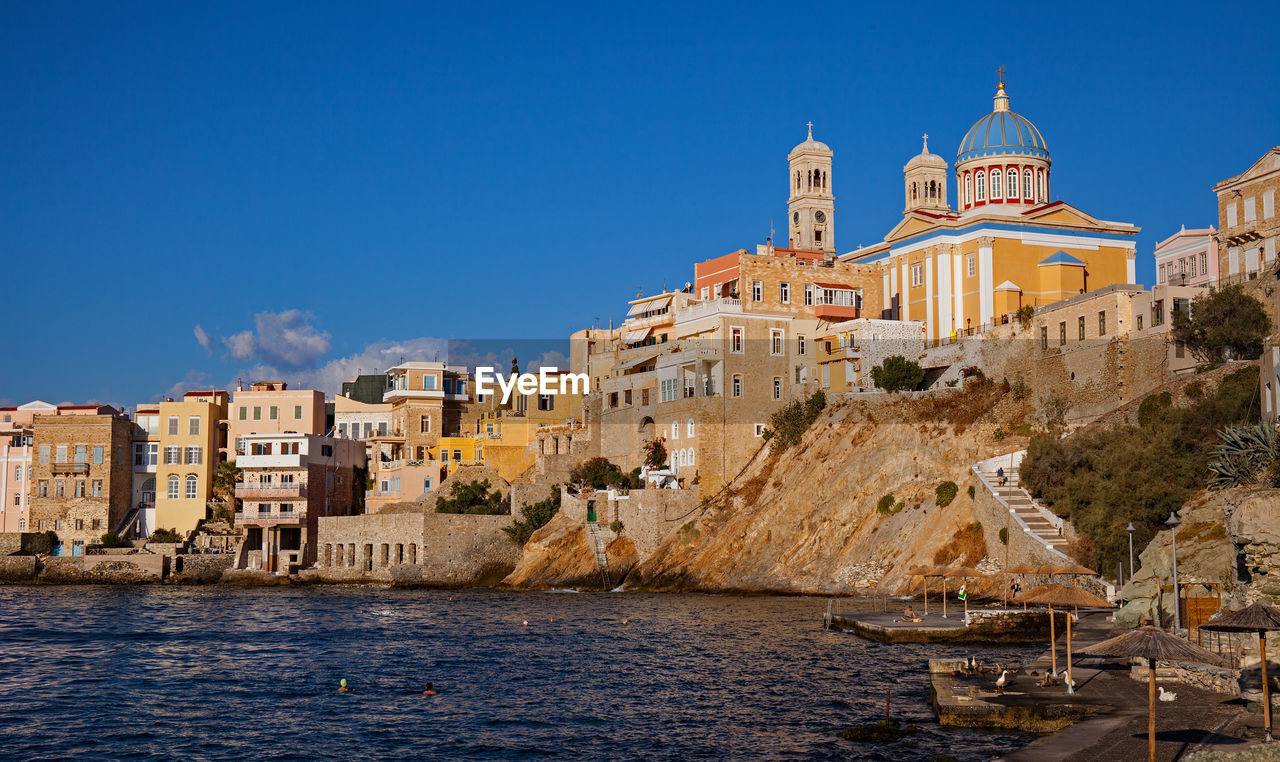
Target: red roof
(1049,205)
(835,285)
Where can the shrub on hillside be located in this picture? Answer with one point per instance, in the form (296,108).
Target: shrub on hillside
(655,453)
(473,498)
(885,505)
(1224,323)
(1153,407)
(534,516)
(789,423)
(112,540)
(599,473)
(166,536)
(945,493)
(1103,478)
(898,374)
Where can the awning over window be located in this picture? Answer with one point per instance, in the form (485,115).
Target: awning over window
(649,305)
(641,360)
(637,335)
(834,285)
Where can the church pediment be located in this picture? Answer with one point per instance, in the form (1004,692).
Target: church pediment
(1061,211)
(912,224)
(1268,163)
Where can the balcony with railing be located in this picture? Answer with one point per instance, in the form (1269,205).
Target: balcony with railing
(724,306)
(69,468)
(270,490)
(251,515)
(834,312)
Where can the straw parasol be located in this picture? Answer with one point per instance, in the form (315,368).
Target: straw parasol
(924,572)
(1061,595)
(965,572)
(1259,618)
(1152,643)
(1022,570)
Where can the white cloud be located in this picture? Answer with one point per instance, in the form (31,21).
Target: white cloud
(204,339)
(193,380)
(279,339)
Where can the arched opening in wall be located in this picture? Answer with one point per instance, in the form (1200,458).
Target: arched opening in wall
(328,554)
(980,181)
(913,191)
(368,557)
(413,553)
(399,553)
(1026,184)
(797,179)
(996,190)
(1043,189)
(646,428)
(1013,183)
(384,555)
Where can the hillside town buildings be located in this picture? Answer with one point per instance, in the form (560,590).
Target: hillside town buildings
(1188,258)
(1248,225)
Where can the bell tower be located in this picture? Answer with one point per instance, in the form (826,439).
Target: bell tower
(925,178)
(811,205)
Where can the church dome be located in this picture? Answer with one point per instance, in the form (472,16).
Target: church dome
(925,158)
(810,146)
(1002,133)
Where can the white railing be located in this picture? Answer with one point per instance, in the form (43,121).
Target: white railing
(711,307)
(1013,514)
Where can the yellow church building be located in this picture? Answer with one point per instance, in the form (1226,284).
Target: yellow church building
(1006,245)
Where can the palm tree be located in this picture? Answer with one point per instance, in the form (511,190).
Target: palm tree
(225,477)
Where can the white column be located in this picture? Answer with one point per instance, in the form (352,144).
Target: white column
(944,294)
(930,328)
(986,288)
(888,294)
(1132,271)
(957,281)
(906,292)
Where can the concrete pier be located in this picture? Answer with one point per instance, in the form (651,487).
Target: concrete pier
(982,626)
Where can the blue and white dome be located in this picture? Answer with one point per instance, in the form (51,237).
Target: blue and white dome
(1002,133)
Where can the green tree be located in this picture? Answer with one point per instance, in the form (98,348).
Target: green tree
(225,478)
(598,473)
(112,540)
(473,498)
(789,423)
(1224,322)
(167,536)
(655,453)
(897,373)
(534,516)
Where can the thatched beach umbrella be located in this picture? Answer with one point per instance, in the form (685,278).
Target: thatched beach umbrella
(1152,643)
(1061,595)
(923,572)
(965,573)
(1259,618)
(1022,570)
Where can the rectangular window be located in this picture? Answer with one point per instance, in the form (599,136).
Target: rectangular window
(342,430)
(644,396)
(917,274)
(800,345)
(44,454)
(775,342)
(1044,337)
(97,455)
(195,456)
(757,291)
(777,388)
(42,489)
(297,412)
(670,389)
(429,383)
(703,293)
(1080,327)
(97,488)
(784,293)
(257,413)
(1231,214)
(1139,322)
(1062,333)
(1204,263)
(59,488)
(273,413)
(244,412)
(326,451)
(737,386)
(735,340)
(1102,323)
(82,454)
(424,424)
(457,455)
(1157,313)
(382,428)
(173,425)
(193,426)
(79,488)
(172,455)
(613,399)
(61,453)
(808,294)
(972,264)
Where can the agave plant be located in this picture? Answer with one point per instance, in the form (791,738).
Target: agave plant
(1242,452)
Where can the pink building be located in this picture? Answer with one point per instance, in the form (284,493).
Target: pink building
(271,407)
(16,445)
(1188,258)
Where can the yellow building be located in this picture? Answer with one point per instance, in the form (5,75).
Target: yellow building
(193,433)
(506,434)
(1005,246)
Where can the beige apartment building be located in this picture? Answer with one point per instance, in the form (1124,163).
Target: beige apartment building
(81,477)
(289,481)
(192,442)
(1248,223)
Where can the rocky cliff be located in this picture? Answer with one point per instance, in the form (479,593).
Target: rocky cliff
(807,520)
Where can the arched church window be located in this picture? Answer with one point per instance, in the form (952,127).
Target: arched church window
(968,189)
(913,191)
(1043,192)
(933,189)
(1026,184)
(1013,183)
(981,181)
(996,191)
(797,179)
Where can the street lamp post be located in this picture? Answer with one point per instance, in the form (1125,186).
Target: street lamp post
(1130,530)
(1172,522)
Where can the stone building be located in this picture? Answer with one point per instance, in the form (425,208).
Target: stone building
(289,481)
(1248,226)
(1004,245)
(81,476)
(846,353)
(1188,258)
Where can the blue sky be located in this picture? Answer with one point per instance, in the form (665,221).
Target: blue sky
(326,187)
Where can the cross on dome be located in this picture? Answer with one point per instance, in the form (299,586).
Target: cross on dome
(926,143)
(810,125)
(1000,71)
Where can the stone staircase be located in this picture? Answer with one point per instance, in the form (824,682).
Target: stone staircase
(597,545)
(1040,523)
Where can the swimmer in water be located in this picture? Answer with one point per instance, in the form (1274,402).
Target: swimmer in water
(342,685)
(525,622)
(429,691)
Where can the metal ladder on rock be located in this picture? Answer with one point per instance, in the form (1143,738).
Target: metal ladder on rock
(602,560)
